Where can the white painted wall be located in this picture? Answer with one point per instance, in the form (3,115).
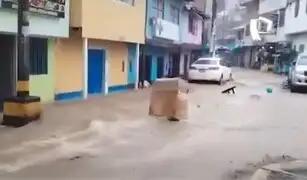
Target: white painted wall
(40,25)
(266,6)
(279,36)
(300,40)
(296,24)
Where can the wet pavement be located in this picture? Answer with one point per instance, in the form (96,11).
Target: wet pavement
(113,137)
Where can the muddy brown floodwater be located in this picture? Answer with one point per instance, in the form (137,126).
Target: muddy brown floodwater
(115,139)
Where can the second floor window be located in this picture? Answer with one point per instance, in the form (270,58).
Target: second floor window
(192,24)
(262,27)
(175,13)
(282,14)
(130,2)
(297,8)
(158,8)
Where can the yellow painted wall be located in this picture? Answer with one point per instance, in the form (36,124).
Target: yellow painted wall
(69,63)
(116,53)
(113,20)
(43,85)
(75,13)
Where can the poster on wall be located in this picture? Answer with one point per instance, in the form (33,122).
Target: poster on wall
(46,7)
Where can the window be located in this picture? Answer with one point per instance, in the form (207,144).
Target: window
(247,30)
(159,8)
(192,24)
(130,2)
(175,13)
(294,47)
(282,14)
(240,34)
(297,8)
(262,27)
(38,56)
(301,48)
(206,61)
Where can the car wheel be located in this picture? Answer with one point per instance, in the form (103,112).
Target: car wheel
(221,81)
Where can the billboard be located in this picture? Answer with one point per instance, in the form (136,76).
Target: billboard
(47,7)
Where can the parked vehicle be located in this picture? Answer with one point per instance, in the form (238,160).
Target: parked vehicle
(298,73)
(210,69)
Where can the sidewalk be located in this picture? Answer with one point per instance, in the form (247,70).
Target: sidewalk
(70,117)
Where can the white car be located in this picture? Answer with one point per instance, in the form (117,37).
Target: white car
(298,73)
(210,69)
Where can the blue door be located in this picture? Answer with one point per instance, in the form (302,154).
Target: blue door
(96,63)
(132,64)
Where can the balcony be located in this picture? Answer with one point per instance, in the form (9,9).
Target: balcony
(165,30)
(245,2)
(266,6)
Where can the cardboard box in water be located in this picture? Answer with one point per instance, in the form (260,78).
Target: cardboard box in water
(165,100)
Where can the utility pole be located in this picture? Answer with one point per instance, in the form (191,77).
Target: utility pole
(22,109)
(23,49)
(213,27)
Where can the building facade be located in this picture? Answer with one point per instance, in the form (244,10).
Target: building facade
(46,24)
(102,50)
(286,16)
(294,28)
(173,29)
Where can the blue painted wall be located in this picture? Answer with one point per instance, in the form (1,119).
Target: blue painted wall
(132,63)
(167,16)
(155,52)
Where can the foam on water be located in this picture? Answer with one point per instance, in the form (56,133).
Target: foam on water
(81,143)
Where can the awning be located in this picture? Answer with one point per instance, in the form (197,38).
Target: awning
(239,27)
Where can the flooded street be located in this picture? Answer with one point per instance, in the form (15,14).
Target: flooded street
(113,137)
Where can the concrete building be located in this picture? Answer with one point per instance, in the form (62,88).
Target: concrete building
(295,28)
(173,29)
(246,55)
(47,22)
(278,13)
(101,54)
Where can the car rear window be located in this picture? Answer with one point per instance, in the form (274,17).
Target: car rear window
(206,61)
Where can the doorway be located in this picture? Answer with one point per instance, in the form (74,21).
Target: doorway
(96,66)
(148,65)
(175,68)
(7,67)
(160,69)
(185,65)
(145,68)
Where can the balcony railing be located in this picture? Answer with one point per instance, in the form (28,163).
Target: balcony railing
(165,29)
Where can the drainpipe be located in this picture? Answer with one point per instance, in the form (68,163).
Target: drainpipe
(137,65)
(143,75)
(213,27)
